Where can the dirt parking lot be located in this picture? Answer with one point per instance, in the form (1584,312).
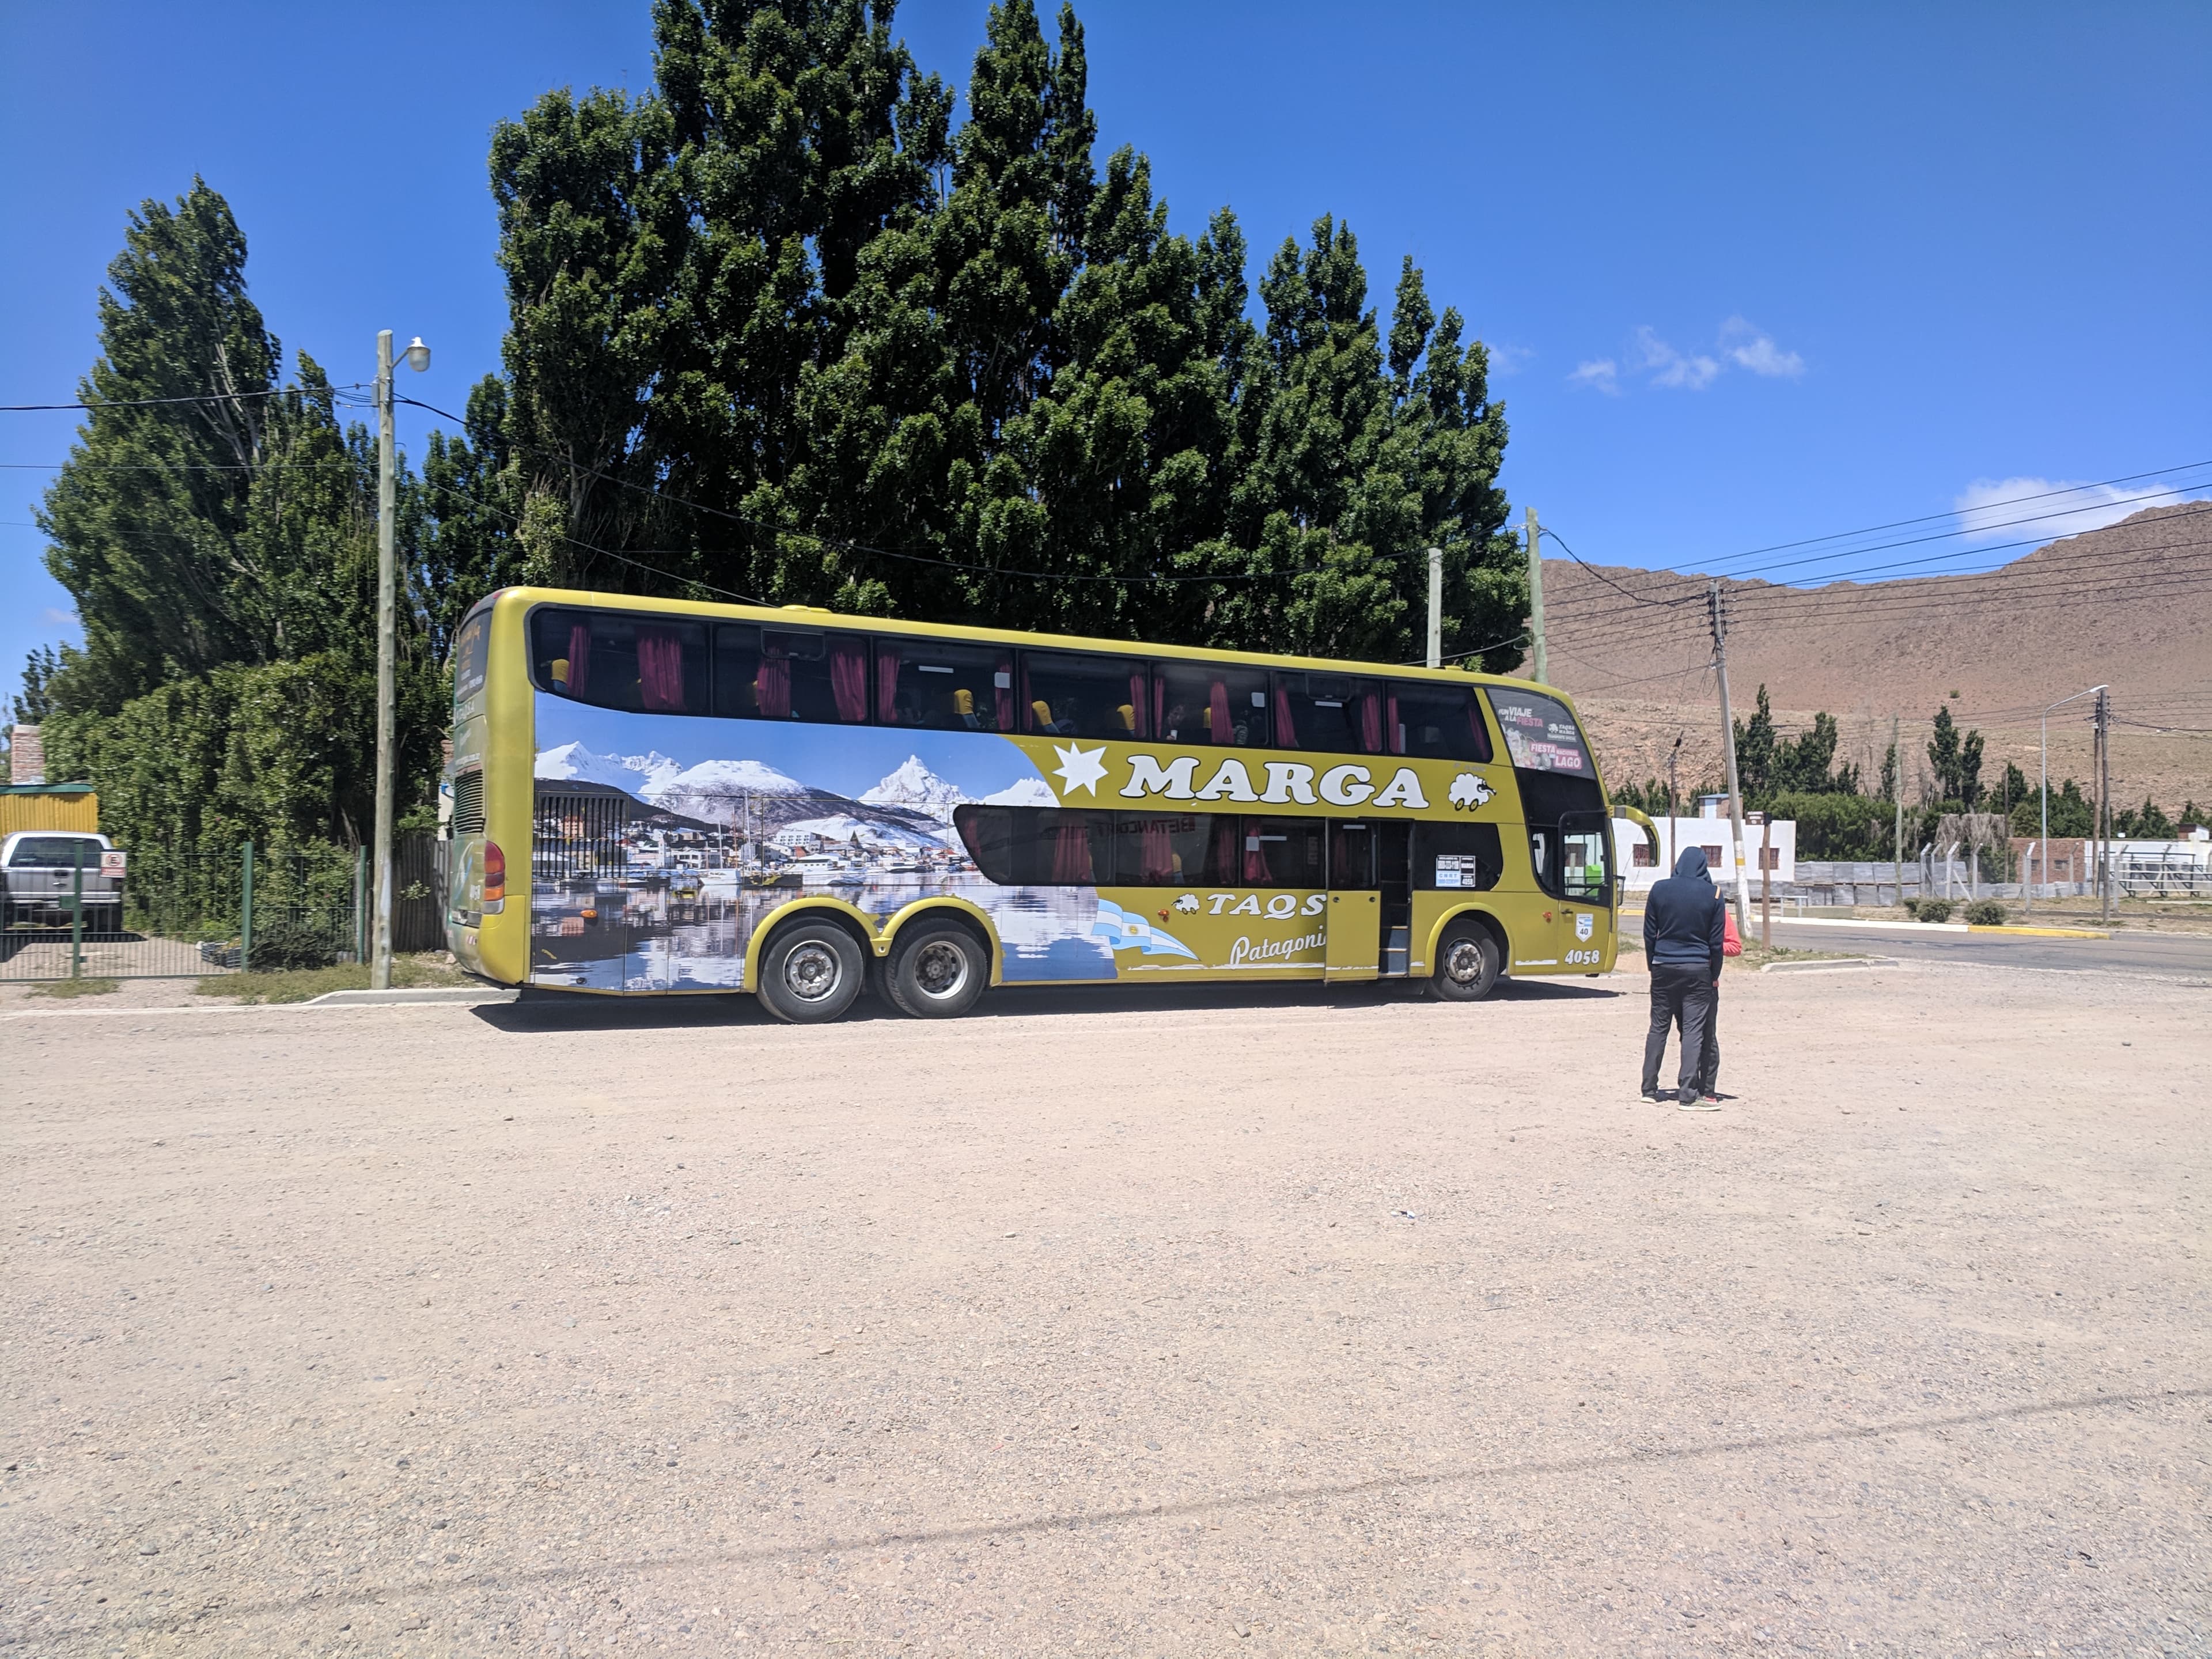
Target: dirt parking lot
(1113,1323)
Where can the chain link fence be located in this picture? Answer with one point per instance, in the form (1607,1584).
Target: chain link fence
(158,912)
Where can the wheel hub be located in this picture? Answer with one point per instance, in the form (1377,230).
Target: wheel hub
(940,969)
(810,971)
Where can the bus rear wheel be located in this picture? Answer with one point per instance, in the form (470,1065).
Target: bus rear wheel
(811,972)
(936,970)
(1466,965)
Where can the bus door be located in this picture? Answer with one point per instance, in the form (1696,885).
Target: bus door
(1352,949)
(1585,885)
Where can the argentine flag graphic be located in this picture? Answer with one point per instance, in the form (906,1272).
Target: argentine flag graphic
(1128,930)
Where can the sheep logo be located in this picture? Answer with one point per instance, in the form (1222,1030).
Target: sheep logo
(1188,903)
(1468,790)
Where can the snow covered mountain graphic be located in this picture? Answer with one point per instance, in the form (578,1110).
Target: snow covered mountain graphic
(913,786)
(634,775)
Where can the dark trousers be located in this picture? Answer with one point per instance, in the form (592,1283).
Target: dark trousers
(1709,1071)
(1683,995)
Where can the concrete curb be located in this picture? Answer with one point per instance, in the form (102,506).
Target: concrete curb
(459,994)
(1872,926)
(2040,932)
(1820,966)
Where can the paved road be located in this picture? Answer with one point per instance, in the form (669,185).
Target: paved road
(2181,954)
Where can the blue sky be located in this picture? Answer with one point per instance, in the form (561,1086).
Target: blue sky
(1753,273)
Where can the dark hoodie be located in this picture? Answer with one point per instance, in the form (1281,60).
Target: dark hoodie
(1685,918)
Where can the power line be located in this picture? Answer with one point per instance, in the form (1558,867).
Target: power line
(195,398)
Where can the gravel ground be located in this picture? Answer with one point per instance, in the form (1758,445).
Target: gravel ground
(1112,1323)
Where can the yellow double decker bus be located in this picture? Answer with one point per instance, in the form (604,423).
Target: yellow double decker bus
(653,797)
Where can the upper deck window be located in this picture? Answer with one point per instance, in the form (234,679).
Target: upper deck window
(1211,703)
(1328,711)
(944,686)
(790,674)
(1434,722)
(1072,696)
(1540,735)
(640,664)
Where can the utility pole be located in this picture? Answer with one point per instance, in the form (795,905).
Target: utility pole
(1766,881)
(1536,596)
(2105,796)
(387,506)
(1674,755)
(2043,774)
(1718,613)
(1437,607)
(1897,788)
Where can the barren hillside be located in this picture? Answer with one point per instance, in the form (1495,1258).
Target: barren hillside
(2131,605)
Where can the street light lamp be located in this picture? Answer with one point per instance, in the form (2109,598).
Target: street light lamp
(2028,902)
(387,503)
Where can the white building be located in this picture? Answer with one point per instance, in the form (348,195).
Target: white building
(1775,845)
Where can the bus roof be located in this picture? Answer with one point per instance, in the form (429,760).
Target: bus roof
(820,616)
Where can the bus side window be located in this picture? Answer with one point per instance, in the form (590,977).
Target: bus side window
(785,674)
(942,686)
(1434,722)
(1463,856)
(1329,712)
(618,659)
(1210,703)
(1072,696)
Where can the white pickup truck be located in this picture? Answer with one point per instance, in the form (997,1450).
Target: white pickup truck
(39,876)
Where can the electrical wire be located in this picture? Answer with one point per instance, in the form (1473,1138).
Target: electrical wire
(195,398)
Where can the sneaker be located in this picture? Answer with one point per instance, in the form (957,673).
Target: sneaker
(1699,1104)
(1651,1098)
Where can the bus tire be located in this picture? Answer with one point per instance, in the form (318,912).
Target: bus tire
(936,969)
(810,972)
(1467,963)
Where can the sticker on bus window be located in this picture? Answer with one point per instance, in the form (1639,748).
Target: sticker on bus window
(1457,870)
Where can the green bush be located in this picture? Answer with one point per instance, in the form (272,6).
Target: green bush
(285,945)
(1928,909)
(1986,913)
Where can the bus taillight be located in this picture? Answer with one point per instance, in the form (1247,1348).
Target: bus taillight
(495,878)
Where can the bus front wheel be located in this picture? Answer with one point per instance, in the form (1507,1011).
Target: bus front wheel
(811,972)
(1467,965)
(936,971)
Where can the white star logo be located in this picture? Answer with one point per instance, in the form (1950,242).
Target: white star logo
(1080,767)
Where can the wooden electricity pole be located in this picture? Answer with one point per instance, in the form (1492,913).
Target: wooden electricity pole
(1716,610)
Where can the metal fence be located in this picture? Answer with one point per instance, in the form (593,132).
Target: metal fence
(190,914)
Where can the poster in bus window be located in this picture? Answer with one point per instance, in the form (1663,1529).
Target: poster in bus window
(1539,733)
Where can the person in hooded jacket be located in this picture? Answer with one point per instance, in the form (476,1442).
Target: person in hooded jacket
(1685,931)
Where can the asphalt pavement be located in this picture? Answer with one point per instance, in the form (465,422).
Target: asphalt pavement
(2179,955)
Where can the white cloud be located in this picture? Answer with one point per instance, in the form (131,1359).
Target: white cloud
(1751,350)
(57,617)
(2043,509)
(1673,368)
(1738,344)
(1602,373)
(1510,359)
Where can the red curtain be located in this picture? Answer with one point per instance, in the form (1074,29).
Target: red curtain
(1137,704)
(774,684)
(1071,855)
(1156,860)
(1003,683)
(1255,859)
(1287,730)
(1160,704)
(848,679)
(1482,737)
(887,667)
(1216,702)
(1224,850)
(580,658)
(1397,733)
(661,670)
(1371,722)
